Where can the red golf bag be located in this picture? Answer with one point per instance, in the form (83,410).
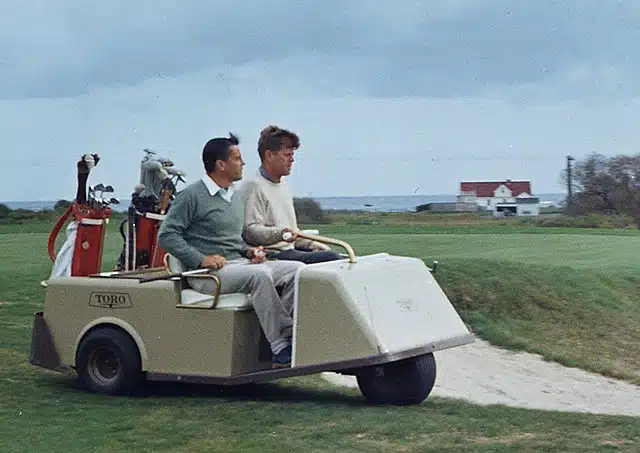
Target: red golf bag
(148,252)
(81,255)
(145,216)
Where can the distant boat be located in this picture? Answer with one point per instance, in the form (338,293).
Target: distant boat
(368,205)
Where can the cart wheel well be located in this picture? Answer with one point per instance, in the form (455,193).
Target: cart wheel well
(107,326)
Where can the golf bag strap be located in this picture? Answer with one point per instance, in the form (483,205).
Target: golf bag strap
(154,216)
(54,233)
(87,221)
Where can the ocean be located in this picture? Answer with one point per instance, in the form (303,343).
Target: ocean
(399,203)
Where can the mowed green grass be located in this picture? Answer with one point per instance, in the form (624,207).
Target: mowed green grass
(595,252)
(572,309)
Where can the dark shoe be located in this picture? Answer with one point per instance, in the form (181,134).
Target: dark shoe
(282,359)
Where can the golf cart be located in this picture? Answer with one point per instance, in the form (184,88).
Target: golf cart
(379,317)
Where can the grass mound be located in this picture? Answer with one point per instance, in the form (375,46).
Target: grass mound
(581,318)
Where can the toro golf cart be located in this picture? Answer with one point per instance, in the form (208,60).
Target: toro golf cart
(379,317)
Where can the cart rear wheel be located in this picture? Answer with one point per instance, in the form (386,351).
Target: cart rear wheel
(108,361)
(404,382)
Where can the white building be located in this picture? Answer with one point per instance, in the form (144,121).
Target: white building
(502,197)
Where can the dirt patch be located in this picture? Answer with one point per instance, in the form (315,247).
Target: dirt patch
(484,374)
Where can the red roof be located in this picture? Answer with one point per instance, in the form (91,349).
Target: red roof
(486,189)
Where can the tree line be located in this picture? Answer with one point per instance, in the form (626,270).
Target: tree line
(605,185)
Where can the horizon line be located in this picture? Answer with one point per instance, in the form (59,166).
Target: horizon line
(300,196)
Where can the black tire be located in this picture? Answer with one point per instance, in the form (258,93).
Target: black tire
(404,382)
(108,361)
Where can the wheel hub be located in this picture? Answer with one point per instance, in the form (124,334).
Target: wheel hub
(104,365)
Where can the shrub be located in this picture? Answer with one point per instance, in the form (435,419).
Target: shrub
(5,211)
(309,210)
(61,205)
(584,221)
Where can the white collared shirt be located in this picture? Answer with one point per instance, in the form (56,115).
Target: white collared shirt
(215,188)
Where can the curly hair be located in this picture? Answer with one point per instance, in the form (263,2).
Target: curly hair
(272,138)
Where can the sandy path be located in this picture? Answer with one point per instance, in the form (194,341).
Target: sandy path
(523,380)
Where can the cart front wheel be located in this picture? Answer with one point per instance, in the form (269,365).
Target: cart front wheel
(404,382)
(108,362)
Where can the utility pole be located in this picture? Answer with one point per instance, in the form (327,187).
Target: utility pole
(569,183)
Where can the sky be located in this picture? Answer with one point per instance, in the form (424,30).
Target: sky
(389,97)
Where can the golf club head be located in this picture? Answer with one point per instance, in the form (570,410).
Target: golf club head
(99,188)
(115,201)
(108,189)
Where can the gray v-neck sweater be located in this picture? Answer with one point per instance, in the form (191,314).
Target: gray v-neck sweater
(198,225)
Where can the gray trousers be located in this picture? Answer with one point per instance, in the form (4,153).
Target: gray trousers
(274,308)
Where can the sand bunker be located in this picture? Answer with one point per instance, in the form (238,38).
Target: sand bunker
(484,374)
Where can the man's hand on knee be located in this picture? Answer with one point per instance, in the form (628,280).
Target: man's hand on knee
(213,262)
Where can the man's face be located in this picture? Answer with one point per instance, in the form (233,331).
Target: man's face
(232,167)
(281,161)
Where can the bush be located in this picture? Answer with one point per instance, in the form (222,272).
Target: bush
(583,221)
(19,216)
(5,211)
(61,205)
(309,211)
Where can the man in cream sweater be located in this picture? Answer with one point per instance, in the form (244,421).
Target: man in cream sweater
(269,211)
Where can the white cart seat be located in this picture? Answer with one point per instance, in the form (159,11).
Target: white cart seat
(232,301)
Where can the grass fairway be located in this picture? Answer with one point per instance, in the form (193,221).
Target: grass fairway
(580,307)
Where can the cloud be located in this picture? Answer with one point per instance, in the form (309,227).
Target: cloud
(380,49)
(387,96)
(350,145)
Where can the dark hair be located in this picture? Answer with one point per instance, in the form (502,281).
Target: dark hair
(218,148)
(271,137)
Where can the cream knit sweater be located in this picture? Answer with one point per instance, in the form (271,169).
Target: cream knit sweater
(269,209)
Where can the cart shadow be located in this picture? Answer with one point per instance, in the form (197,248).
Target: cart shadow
(266,392)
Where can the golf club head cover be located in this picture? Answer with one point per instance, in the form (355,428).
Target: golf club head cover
(87,162)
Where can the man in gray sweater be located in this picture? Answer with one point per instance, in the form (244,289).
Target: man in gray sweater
(203,229)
